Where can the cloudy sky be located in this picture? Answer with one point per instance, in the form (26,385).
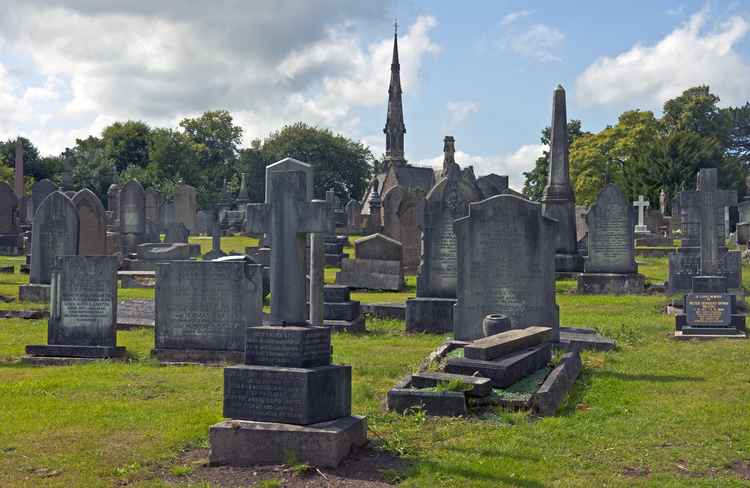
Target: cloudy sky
(483,71)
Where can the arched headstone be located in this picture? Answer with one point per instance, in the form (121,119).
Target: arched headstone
(92,228)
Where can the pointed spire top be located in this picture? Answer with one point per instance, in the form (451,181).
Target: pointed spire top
(395,27)
(394,61)
(560,87)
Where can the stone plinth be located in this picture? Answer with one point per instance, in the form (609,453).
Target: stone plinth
(434,315)
(611,284)
(291,346)
(371,274)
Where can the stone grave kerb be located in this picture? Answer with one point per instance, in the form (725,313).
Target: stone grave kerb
(289,214)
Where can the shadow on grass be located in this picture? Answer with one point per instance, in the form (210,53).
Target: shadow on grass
(474,474)
(653,378)
(491,452)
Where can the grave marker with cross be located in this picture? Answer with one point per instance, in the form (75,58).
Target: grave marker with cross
(709,201)
(289,214)
(641,205)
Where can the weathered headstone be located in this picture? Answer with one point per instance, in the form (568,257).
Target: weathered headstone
(92,228)
(153,203)
(40,190)
(243,196)
(176,232)
(204,220)
(378,265)
(10,233)
(113,200)
(83,311)
(132,206)
(558,200)
(492,184)
(204,308)
(506,265)
(610,266)
(186,205)
(400,210)
(353,212)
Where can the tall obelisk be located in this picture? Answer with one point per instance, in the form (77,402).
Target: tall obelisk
(558,200)
(19,169)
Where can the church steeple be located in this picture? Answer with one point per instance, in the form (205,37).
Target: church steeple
(394,124)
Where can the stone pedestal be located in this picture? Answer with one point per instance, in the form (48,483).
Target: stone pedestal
(611,283)
(33,293)
(709,312)
(426,314)
(568,263)
(339,311)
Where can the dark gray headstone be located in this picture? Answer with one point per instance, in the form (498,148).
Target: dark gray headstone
(40,190)
(708,309)
(207,305)
(8,207)
(506,265)
(132,208)
(92,229)
(400,210)
(176,232)
(377,246)
(113,199)
(353,211)
(492,184)
(611,246)
(153,203)
(54,233)
(186,205)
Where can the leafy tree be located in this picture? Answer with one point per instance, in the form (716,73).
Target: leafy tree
(126,143)
(536,179)
(33,164)
(697,110)
(91,168)
(173,158)
(251,161)
(738,144)
(339,163)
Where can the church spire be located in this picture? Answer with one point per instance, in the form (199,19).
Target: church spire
(394,124)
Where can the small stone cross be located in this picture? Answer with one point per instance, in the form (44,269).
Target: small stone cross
(642,205)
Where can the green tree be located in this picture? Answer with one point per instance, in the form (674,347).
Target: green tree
(33,163)
(338,162)
(173,158)
(251,162)
(126,143)
(697,110)
(91,168)
(536,179)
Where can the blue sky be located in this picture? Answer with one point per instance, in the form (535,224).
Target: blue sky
(481,71)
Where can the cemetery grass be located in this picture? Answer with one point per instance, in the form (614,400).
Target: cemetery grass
(654,412)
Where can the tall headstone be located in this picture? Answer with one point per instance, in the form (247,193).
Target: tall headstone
(10,233)
(287,399)
(176,232)
(113,200)
(132,215)
(203,309)
(558,200)
(506,265)
(663,202)
(353,210)
(18,176)
(243,197)
(40,190)
(610,267)
(400,210)
(67,178)
(83,311)
(153,202)
(92,228)
(186,205)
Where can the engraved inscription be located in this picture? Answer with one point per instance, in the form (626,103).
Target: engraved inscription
(708,310)
(265,395)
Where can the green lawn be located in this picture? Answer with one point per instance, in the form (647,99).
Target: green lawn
(654,412)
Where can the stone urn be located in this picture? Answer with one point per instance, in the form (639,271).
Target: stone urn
(495,323)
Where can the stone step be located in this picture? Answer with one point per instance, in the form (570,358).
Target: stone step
(480,387)
(508,342)
(336,293)
(444,403)
(341,311)
(506,371)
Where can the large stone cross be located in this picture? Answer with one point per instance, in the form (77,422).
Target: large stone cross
(710,201)
(289,214)
(641,205)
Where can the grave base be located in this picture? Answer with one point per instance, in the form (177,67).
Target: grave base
(247,443)
(611,284)
(686,334)
(356,325)
(67,351)
(200,356)
(436,403)
(577,339)
(568,263)
(33,292)
(396,311)
(60,361)
(433,315)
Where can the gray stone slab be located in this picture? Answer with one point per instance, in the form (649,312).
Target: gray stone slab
(135,313)
(571,340)
(504,343)
(611,284)
(506,371)
(185,205)
(164,251)
(246,443)
(370,274)
(443,404)
(92,229)
(480,387)
(433,315)
(54,233)
(400,210)
(73,351)
(288,346)
(207,304)
(547,399)
(610,225)
(299,396)
(396,311)
(379,247)
(33,293)
(39,191)
(132,208)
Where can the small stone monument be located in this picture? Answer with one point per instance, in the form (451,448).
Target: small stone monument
(176,232)
(506,265)
(203,309)
(287,399)
(378,265)
(83,312)
(10,233)
(610,267)
(54,233)
(642,206)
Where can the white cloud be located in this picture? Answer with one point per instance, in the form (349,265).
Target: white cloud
(686,57)
(274,63)
(512,164)
(534,40)
(459,111)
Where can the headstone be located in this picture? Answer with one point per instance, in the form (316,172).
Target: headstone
(492,184)
(10,233)
(204,221)
(353,212)
(375,216)
(204,308)
(558,199)
(215,251)
(132,205)
(506,265)
(176,232)
(378,265)
(54,234)
(153,203)
(167,214)
(18,175)
(92,229)
(610,267)
(186,205)
(40,190)
(113,200)
(400,210)
(641,205)
(83,310)
(663,202)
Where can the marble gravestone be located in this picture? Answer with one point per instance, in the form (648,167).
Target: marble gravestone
(132,206)
(610,267)
(287,399)
(447,201)
(186,205)
(400,210)
(378,265)
(40,190)
(83,312)
(203,309)
(54,233)
(506,265)
(10,233)
(92,228)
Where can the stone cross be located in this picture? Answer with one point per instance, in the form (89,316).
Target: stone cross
(641,205)
(289,214)
(710,202)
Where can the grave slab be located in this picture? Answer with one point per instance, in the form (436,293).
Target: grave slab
(498,345)
(506,371)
